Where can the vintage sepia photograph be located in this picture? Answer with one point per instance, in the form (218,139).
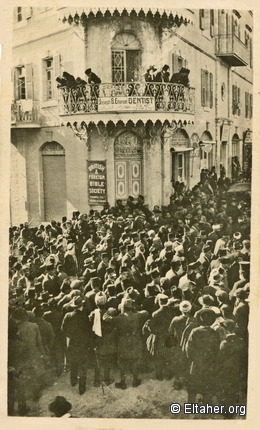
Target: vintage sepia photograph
(130,211)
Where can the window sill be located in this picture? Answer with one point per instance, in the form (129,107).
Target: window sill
(49,103)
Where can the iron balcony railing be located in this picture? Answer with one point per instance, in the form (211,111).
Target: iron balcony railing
(25,111)
(230,44)
(126,96)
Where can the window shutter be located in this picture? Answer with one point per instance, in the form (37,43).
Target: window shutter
(175,64)
(29,81)
(15,83)
(202,22)
(56,73)
(238,101)
(233,99)
(44,81)
(211,89)
(203,88)
(251,105)
(246,104)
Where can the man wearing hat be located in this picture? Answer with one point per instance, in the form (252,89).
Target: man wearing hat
(109,278)
(159,325)
(202,349)
(95,283)
(92,77)
(205,259)
(241,313)
(127,258)
(173,273)
(232,375)
(77,327)
(150,75)
(244,277)
(105,338)
(102,267)
(176,329)
(130,344)
(50,282)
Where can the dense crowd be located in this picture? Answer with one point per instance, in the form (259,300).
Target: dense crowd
(131,289)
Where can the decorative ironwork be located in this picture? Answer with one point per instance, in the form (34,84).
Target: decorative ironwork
(81,132)
(164,97)
(25,111)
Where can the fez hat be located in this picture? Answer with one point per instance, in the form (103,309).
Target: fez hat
(123,269)
(88,71)
(185,306)
(205,317)
(60,406)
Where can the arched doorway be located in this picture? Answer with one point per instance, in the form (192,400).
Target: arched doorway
(223,155)
(126,58)
(235,145)
(206,151)
(236,170)
(54,181)
(128,152)
(180,157)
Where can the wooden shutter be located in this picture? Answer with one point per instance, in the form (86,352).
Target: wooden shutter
(233,100)
(203,88)
(251,105)
(44,81)
(238,101)
(212,22)
(29,81)
(15,82)
(202,22)
(211,89)
(56,73)
(246,104)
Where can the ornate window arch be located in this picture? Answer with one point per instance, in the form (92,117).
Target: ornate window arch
(126,57)
(52,148)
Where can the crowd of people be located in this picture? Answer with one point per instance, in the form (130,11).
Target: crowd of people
(129,290)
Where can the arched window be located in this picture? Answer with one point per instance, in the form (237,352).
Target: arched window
(206,150)
(126,58)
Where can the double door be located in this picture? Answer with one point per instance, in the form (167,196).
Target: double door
(128,178)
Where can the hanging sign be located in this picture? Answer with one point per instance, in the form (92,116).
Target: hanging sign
(97,182)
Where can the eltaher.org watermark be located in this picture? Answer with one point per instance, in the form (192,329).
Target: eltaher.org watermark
(207,409)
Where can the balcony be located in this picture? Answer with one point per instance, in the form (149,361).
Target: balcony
(231,50)
(125,97)
(25,113)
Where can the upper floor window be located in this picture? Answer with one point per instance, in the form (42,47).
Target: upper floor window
(236,107)
(212,22)
(19,14)
(126,58)
(50,71)
(23,83)
(202,19)
(178,62)
(206,88)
